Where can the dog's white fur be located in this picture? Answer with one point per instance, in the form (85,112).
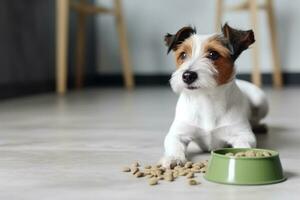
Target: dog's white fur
(212,115)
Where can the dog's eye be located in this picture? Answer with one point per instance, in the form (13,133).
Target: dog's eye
(213,55)
(183,56)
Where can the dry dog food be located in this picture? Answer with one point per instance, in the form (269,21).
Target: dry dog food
(192,182)
(249,154)
(156,173)
(153,181)
(126,169)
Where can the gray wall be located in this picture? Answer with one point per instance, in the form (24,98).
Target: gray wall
(149,20)
(26,38)
(27,62)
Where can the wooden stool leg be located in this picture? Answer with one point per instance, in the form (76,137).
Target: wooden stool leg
(219,15)
(121,28)
(256,76)
(80,48)
(62,19)
(277,75)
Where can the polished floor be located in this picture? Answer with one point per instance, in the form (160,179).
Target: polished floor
(73,147)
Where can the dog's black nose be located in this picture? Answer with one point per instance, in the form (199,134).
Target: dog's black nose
(189,77)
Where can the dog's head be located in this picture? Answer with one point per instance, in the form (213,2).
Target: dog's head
(206,61)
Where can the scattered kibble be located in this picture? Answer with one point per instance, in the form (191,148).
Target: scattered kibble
(134,170)
(153,181)
(190,175)
(139,174)
(192,182)
(266,154)
(135,164)
(259,154)
(183,173)
(157,173)
(249,154)
(188,165)
(169,177)
(229,154)
(147,167)
(240,154)
(126,169)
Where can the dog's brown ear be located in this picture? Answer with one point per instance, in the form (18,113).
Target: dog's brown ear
(239,40)
(172,41)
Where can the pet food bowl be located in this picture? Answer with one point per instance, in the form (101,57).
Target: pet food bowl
(244,170)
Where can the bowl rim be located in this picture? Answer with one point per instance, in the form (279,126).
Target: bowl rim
(274,153)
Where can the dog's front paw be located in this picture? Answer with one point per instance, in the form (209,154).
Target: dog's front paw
(172,161)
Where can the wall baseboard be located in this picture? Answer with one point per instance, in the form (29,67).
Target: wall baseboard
(21,89)
(38,87)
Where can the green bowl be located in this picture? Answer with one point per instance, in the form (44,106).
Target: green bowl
(244,170)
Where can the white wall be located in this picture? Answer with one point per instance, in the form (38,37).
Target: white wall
(148,21)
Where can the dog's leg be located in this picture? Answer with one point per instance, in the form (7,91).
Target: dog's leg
(235,136)
(175,149)
(176,143)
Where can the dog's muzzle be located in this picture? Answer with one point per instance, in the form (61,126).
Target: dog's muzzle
(189,77)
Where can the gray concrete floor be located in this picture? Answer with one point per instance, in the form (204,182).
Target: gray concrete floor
(73,147)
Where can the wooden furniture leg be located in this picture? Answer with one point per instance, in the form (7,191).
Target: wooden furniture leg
(80,47)
(256,76)
(219,15)
(62,18)
(121,28)
(277,75)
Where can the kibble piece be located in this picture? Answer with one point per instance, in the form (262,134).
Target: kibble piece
(203,170)
(153,181)
(175,174)
(267,154)
(147,167)
(196,167)
(192,182)
(195,164)
(240,154)
(158,165)
(150,176)
(134,170)
(173,165)
(250,154)
(190,175)
(188,164)
(135,164)
(169,177)
(201,164)
(154,174)
(126,169)
(158,172)
(229,154)
(163,169)
(147,171)
(139,174)
(183,173)
(188,170)
(195,170)
(259,154)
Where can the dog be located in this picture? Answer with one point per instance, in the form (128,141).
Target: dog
(214,109)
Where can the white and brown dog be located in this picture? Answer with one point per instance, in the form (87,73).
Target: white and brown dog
(214,109)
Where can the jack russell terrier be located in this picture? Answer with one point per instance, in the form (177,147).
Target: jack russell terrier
(214,109)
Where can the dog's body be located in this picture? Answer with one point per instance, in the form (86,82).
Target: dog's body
(214,109)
